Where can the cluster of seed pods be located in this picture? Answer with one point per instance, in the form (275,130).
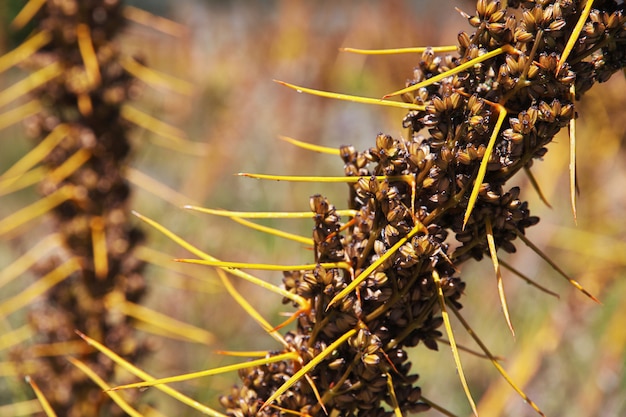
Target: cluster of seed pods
(480,116)
(81,125)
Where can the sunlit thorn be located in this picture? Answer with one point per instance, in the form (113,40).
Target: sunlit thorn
(272,231)
(496,266)
(453,71)
(43,284)
(573,38)
(264,214)
(28,84)
(156,188)
(210,372)
(528,280)
(494,360)
(20,265)
(155,78)
(308,367)
(310,146)
(124,364)
(36,209)
(393,51)
(25,15)
(554,266)
(455,352)
(69,166)
(47,408)
(99,244)
(152,21)
(572,156)
(24,50)
(482,170)
(20,113)
(88,53)
(249,309)
(355,99)
(118,399)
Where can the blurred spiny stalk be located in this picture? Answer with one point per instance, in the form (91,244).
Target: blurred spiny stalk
(74,103)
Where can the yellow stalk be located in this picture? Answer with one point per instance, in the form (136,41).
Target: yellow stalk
(156,188)
(29,10)
(119,400)
(87,52)
(176,138)
(483,164)
(24,50)
(15,337)
(36,209)
(45,405)
(42,285)
(573,38)
(451,72)
(392,396)
(19,113)
(99,244)
(161,321)
(266,215)
(22,408)
(29,83)
(554,266)
(155,78)
(455,352)
(355,99)
(270,230)
(246,354)
(39,152)
(528,280)
(28,259)
(267,267)
(411,50)
(369,270)
(572,154)
(310,178)
(289,356)
(151,21)
(69,166)
(250,278)
(310,146)
(494,360)
(535,184)
(496,266)
(10,368)
(308,367)
(249,309)
(13,184)
(147,377)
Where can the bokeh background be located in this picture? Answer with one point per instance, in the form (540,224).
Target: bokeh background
(568,353)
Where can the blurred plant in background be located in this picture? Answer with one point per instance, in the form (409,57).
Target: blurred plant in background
(569,353)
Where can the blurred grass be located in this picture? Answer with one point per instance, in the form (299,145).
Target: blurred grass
(568,354)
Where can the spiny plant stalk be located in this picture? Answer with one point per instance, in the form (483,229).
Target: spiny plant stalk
(387,279)
(79,86)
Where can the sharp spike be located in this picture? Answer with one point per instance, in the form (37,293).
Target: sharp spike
(310,146)
(393,51)
(30,83)
(496,266)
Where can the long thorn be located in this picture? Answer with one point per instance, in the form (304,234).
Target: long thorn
(483,164)
(266,215)
(24,50)
(455,351)
(310,146)
(27,13)
(155,78)
(47,408)
(528,280)
(355,99)
(270,230)
(535,184)
(393,51)
(556,267)
(29,83)
(494,360)
(572,155)
(147,377)
(496,266)
(573,38)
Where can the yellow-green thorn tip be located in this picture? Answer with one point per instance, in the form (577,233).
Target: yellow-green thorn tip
(355,99)
(310,146)
(47,408)
(393,51)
